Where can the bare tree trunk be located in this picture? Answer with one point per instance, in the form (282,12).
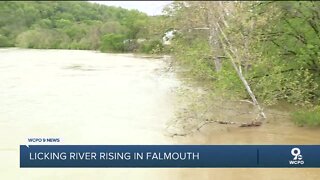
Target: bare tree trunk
(238,69)
(216,12)
(245,83)
(213,36)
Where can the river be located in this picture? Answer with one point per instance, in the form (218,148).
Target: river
(87,97)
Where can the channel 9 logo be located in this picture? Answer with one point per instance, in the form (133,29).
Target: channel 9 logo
(297,156)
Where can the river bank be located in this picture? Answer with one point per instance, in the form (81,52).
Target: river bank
(88,97)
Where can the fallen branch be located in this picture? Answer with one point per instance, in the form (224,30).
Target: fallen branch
(247,101)
(251,124)
(206,122)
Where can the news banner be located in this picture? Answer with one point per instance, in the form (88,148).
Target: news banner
(169,156)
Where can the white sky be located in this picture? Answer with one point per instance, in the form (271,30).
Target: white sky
(149,7)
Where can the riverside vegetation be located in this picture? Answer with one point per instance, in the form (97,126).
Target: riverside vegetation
(265,53)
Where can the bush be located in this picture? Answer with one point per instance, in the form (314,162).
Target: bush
(113,43)
(42,39)
(131,45)
(307,117)
(4,41)
(195,57)
(152,47)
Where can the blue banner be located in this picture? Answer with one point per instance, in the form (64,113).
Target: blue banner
(153,156)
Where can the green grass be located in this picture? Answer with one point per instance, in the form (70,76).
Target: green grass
(307,117)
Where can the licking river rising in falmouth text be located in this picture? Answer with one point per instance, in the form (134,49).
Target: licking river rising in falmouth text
(87,97)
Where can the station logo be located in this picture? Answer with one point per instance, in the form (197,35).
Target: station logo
(297,156)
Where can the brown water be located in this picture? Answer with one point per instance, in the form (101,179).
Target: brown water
(86,97)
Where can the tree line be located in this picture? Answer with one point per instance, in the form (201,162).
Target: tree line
(77,25)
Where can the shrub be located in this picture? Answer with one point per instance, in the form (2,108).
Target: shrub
(4,41)
(113,43)
(42,39)
(151,47)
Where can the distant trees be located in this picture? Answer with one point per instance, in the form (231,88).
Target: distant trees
(74,25)
(4,41)
(42,39)
(153,46)
(113,43)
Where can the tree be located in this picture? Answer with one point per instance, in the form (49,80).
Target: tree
(73,25)
(113,43)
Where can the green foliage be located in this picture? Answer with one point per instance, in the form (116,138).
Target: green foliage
(294,87)
(113,43)
(5,42)
(287,39)
(195,56)
(275,44)
(307,117)
(136,23)
(152,47)
(46,39)
(72,25)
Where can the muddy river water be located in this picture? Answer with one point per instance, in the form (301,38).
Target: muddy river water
(87,97)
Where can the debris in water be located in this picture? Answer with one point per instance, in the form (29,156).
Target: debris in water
(251,124)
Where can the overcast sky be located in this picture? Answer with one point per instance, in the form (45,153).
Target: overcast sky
(149,7)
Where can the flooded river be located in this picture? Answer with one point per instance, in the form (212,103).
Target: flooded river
(87,97)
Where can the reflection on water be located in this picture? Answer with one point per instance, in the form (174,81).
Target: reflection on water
(86,97)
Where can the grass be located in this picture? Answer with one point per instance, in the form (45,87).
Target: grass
(307,117)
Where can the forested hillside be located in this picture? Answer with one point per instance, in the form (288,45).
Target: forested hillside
(75,25)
